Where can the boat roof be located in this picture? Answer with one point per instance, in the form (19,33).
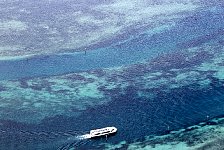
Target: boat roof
(102,129)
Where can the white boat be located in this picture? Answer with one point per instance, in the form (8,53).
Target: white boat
(103,131)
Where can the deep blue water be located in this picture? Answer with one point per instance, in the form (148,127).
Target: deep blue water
(134,117)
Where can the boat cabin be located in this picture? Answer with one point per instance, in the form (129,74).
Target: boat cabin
(103,131)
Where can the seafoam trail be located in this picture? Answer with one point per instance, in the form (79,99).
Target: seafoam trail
(85,136)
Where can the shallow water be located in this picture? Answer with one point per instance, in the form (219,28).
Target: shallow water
(197,29)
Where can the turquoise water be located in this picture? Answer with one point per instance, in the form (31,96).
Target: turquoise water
(160,91)
(197,29)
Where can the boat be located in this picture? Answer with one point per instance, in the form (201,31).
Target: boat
(103,131)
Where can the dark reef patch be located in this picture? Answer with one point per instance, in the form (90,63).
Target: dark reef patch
(24,84)
(221,42)
(97,72)
(2,88)
(75,77)
(166,62)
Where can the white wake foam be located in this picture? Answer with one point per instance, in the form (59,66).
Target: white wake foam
(85,136)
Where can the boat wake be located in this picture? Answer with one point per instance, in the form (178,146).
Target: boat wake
(62,140)
(75,142)
(85,136)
